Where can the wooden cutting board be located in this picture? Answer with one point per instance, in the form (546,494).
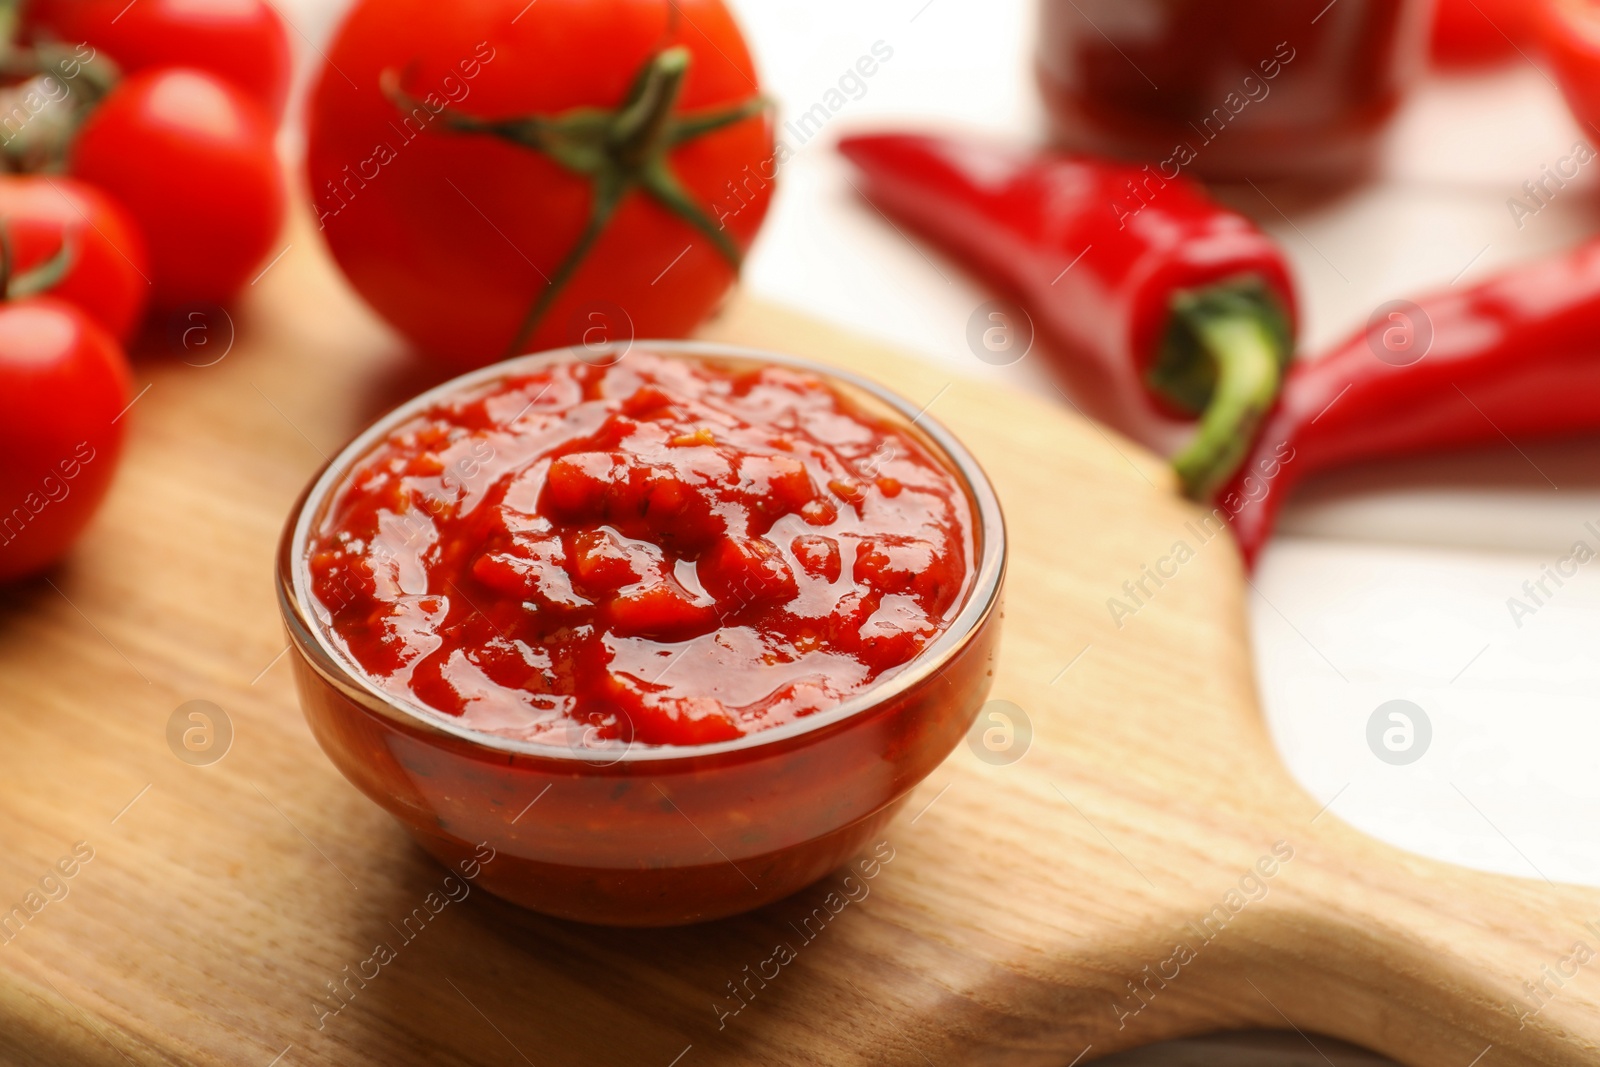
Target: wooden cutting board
(1106,889)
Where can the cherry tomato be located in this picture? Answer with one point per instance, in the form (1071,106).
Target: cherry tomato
(193,160)
(63,383)
(453,234)
(1470,33)
(241,41)
(108,273)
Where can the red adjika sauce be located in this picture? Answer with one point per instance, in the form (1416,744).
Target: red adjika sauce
(665,551)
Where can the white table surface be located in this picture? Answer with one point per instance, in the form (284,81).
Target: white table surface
(1384,583)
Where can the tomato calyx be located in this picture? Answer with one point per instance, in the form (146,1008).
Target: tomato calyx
(619,150)
(35,280)
(38,83)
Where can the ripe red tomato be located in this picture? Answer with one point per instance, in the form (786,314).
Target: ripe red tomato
(63,383)
(1470,33)
(108,275)
(452,236)
(193,160)
(241,41)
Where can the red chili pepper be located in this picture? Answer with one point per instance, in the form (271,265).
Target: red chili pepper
(1568,35)
(1472,33)
(1516,356)
(1166,305)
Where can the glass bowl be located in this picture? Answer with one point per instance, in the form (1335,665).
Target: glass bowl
(653,835)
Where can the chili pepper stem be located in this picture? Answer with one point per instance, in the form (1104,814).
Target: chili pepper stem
(1248,353)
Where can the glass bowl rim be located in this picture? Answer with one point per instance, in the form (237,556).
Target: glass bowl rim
(336,667)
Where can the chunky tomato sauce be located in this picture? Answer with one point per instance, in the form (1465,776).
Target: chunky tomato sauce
(664,551)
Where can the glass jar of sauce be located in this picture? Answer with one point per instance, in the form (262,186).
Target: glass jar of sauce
(1229,89)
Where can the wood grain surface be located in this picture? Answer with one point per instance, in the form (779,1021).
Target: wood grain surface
(1107,889)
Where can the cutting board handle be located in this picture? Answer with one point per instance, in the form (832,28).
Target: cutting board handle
(1431,964)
